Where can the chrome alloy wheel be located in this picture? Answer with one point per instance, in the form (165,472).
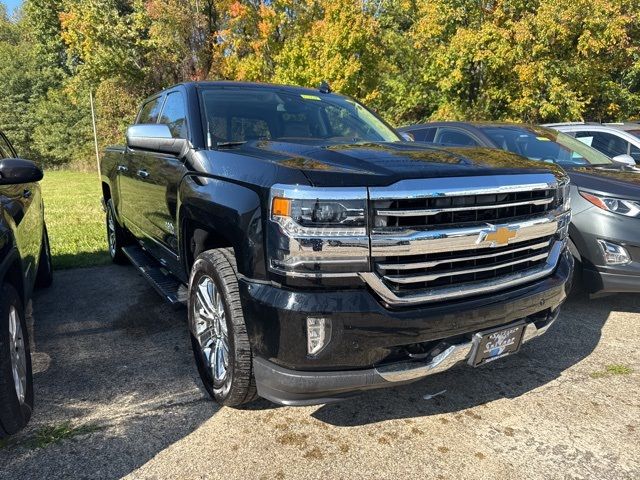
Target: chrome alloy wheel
(18,354)
(111,227)
(210,329)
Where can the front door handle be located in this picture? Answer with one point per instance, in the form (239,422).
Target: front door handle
(121,168)
(143,174)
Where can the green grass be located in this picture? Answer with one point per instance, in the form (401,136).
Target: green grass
(614,369)
(51,434)
(75,219)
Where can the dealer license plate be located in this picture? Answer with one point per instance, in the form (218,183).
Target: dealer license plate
(491,345)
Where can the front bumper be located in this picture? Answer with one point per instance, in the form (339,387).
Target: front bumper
(291,387)
(593,224)
(366,336)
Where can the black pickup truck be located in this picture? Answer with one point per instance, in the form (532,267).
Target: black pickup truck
(321,255)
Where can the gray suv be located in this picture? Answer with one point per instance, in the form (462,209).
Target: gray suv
(605,196)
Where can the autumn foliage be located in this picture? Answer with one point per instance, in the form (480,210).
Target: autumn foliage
(412,60)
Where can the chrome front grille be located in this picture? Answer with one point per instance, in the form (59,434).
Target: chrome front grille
(438,239)
(452,268)
(457,211)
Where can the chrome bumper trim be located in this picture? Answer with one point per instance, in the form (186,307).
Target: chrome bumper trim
(441,293)
(448,358)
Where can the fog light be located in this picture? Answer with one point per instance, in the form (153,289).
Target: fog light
(614,254)
(318,334)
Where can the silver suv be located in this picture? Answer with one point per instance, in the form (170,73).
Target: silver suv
(618,141)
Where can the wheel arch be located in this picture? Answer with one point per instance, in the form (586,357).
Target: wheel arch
(214,213)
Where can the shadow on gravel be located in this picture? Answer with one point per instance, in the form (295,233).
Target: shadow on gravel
(110,355)
(572,338)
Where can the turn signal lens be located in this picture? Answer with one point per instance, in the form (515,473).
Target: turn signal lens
(597,201)
(281,207)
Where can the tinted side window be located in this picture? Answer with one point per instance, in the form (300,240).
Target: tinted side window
(454,138)
(606,143)
(5,149)
(150,111)
(174,115)
(634,152)
(424,134)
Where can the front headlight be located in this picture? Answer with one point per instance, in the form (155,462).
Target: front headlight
(629,208)
(318,232)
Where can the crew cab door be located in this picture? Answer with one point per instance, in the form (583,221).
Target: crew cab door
(155,179)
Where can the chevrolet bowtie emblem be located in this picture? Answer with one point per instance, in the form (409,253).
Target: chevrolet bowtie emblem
(497,236)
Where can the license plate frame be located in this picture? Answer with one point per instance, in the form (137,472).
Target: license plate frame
(496,343)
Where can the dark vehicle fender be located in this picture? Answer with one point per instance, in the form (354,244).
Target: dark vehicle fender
(108,174)
(231,213)
(11,265)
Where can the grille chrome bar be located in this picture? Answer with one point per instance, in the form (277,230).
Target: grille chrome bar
(419,242)
(407,279)
(436,211)
(461,186)
(466,289)
(435,263)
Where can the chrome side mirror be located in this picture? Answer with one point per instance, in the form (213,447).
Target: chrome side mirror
(155,137)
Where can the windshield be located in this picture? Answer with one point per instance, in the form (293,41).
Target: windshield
(244,114)
(635,133)
(546,145)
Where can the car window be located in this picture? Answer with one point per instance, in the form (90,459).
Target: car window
(174,115)
(537,143)
(150,111)
(5,149)
(454,138)
(245,114)
(424,134)
(607,143)
(634,151)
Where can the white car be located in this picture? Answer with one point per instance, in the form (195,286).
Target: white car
(618,141)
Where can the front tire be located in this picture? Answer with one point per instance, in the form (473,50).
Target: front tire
(16,377)
(218,330)
(116,236)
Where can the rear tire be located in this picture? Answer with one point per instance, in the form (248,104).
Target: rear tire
(218,330)
(16,378)
(116,236)
(44,277)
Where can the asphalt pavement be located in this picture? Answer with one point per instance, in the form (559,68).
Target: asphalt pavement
(117,394)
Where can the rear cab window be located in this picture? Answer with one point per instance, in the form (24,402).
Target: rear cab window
(150,111)
(5,149)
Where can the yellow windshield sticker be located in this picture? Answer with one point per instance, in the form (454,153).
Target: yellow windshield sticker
(543,139)
(310,97)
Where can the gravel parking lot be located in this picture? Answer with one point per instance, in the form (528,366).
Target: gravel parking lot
(118,395)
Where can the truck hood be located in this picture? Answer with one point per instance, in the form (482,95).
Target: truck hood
(612,181)
(377,164)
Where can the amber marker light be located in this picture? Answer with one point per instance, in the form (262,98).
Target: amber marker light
(597,201)
(281,207)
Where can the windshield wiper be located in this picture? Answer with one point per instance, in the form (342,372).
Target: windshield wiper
(229,144)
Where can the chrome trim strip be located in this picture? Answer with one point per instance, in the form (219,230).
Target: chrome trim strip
(391,243)
(449,357)
(406,279)
(306,192)
(435,211)
(469,289)
(459,186)
(435,263)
